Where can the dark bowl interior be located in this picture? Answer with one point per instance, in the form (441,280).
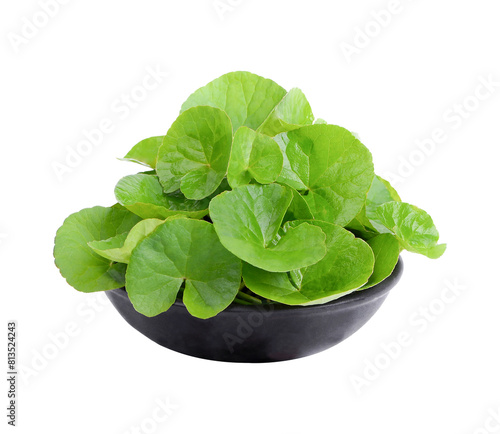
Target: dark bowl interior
(269,333)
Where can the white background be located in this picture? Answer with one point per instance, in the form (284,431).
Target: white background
(67,76)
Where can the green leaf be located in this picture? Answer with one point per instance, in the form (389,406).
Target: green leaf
(145,152)
(360,231)
(298,209)
(178,251)
(248,219)
(332,166)
(118,206)
(248,99)
(366,224)
(119,248)
(347,266)
(291,113)
(113,243)
(383,190)
(320,121)
(83,268)
(117,272)
(143,195)
(386,250)
(413,228)
(287,175)
(380,192)
(195,152)
(254,156)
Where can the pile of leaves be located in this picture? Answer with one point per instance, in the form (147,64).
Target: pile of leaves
(248,199)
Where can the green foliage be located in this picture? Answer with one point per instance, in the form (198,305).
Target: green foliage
(331,167)
(247,98)
(246,192)
(195,152)
(82,267)
(347,266)
(143,195)
(247,221)
(291,113)
(145,152)
(119,248)
(254,157)
(413,228)
(183,251)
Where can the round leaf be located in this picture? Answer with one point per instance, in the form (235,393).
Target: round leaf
(334,168)
(119,248)
(248,219)
(291,113)
(195,152)
(366,224)
(248,99)
(83,268)
(347,266)
(413,228)
(254,156)
(183,250)
(143,195)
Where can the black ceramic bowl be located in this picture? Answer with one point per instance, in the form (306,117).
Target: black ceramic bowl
(259,334)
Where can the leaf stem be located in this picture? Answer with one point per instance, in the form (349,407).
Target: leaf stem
(243,302)
(248,297)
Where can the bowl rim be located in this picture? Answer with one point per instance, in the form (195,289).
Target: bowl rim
(351,300)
